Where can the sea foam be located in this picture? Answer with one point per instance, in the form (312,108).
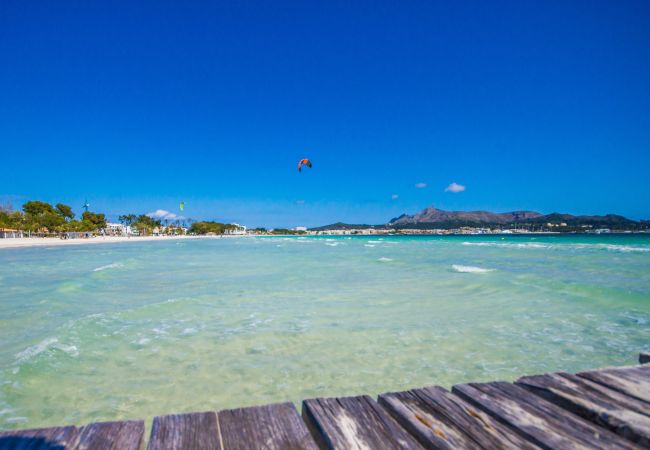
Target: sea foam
(507,245)
(108,266)
(35,350)
(469,269)
(533,245)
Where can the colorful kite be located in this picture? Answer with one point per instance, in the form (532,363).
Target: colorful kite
(304,162)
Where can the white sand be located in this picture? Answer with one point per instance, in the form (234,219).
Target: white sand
(49,242)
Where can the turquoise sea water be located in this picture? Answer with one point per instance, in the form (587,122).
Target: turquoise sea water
(101,332)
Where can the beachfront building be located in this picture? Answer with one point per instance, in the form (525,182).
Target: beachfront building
(350,231)
(117,229)
(236,230)
(9,233)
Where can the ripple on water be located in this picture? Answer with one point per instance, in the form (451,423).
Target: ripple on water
(236,322)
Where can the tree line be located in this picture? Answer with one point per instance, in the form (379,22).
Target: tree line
(45,218)
(42,217)
(211,227)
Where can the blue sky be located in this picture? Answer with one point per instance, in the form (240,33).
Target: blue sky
(541,105)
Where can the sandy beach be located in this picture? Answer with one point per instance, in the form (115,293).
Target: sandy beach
(50,242)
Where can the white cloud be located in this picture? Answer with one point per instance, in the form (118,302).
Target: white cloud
(455,188)
(394,197)
(420,185)
(162,214)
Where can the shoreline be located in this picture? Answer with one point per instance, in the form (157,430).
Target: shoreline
(55,242)
(12,243)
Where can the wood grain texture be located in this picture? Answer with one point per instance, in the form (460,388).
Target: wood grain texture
(441,420)
(193,431)
(56,438)
(540,421)
(126,435)
(270,427)
(598,405)
(633,381)
(644,357)
(354,423)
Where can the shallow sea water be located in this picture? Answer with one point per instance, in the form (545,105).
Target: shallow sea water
(103,332)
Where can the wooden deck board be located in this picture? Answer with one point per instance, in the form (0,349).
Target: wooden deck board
(269,427)
(354,423)
(193,431)
(633,381)
(441,420)
(602,406)
(126,435)
(59,438)
(605,408)
(540,421)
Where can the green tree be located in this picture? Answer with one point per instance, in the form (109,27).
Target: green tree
(64,211)
(41,216)
(36,208)
(210,227)
(127,219)
(145,224)
(93,221)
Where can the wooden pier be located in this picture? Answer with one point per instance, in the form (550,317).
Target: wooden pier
(605,408)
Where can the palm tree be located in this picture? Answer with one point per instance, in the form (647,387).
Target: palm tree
(127,220)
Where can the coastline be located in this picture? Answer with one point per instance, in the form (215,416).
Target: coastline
(52,241)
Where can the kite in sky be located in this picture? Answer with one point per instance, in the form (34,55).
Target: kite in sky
(304,162)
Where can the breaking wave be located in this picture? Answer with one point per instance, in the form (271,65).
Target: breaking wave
(470,269)
(108,266)
(507,245)
(607,247)
(383,259)
(49,343)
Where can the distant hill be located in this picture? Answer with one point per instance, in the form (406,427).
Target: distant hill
(438,218)
(430,218)
(434,215)
(346,226)
(607,221)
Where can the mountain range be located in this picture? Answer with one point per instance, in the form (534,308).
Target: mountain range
(431,217)
(434,215)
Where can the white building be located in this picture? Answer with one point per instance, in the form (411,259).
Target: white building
(117,229)
(238,230)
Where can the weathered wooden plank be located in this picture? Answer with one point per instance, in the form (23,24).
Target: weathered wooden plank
(441,420)
(418,418)
(354,423)
(58,438)
(574,394)
(193,431)
(126,435)
(540,421)
(624,401)
(633,381)
(271,427)
(644,357)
